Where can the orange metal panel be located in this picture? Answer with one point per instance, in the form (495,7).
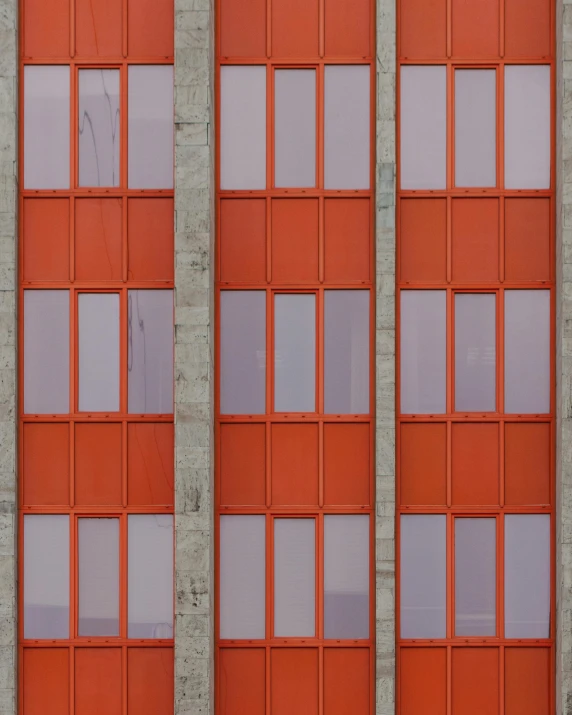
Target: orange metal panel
(294,681)
(46,473)
(242,464)
(150,239)
(241,683)
(46,239)
(150,463)
(150,28)
(475,681)
(242,237)
(98,679)
(347,240)
(98,28)
(294,464)
(98,239)
(475,240)
(347,464)
(527,239)
(423,458)
(347,28)
(475,28)
(295,30)
(422,29)
(46,30)
(150,681)
(527,451)
(527,28)
(294,240)
(242,28)
(45,681)
(475,464)
(527,681)
(346,681)
(423,240)
(423,681)
(97,463)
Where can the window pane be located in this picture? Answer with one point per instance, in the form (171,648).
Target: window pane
(47,127)
(242,576)
(243,352)
(294,577)
(46,351)
(295,353)
(527,575)
(98,566)
(150,576)
(475,128)
(150,127)
(423,351)
(423,574)
(423,127)
(527,351)
(295,128)
(346,127)
(150,338)
(346,576)
(475,577)
(98,327)
(527,127)
(243,127)
(46,576)
(475,352)
(346,351)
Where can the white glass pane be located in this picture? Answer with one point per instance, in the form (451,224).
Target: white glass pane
(98,339)
(423,351)
(243,127)
(423,576)
(98,128)
(346,351)
(423,127)
(150,127)
(294,577)
(527,351)
(346,127)
(475,128)
(475,577)
(295,128)
(527,576)
(295,353)
(346,576)
(46,576)
(243,352)
(150,576)
(47,127)
(527,127)
(150,356)
(242,576)
(475,352)
(46,351)
(98,566)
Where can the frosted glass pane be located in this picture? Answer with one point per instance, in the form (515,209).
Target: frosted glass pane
(243,352)
(423,576)
(46,351)
(295,128)
(475,577)
(527,575)
(423,127)
(150,576)
(295,353)
(347,127)
(294,577)
(98,128)
(46,576)
(242,576)
(150,127)
(475,352)
(346,576)
(98,564)
(423,351)
(346,351)
(475,128)
(527,351)
(150,339)
(98,339)
(527,127)
(47,127)
(243,127)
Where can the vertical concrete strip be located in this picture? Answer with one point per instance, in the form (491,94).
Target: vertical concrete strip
(194,252)
(385,358)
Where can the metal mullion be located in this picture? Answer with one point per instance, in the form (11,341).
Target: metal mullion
(123,574)
(269,351)
(124,465)
(450,354)
(71,432)
(123,349)
(320,350)
(74,576)
(500,350)
(73,347)
(269,125)
(450,558)
(319,575)
(321,238)
(74,125)
(269,595)
(321,476)
(500,125)
(124,238)
(123,126)
(500,571)
(320,125)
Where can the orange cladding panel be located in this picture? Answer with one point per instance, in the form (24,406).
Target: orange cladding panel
(527,450)
(475,28)
(475,464)
(346,464)
(527,681)
(242,464)
(527,28)
(295,28)
(347,28)
(150,28)
(527,239)
(150,681)
(98,25)
(346,681)
(294,464)
(45,686)
(423,681)
(294,681)
(150,239)
(475,681)
(242,28)
(423,455)
(46,239)
(242,681)
(97,463)
(242,240)
(295,240)
(98,681)
(150,463)
(423,240)
(347,240)
(46,464)
(98,239)
(46,30)
(475,239)
(422,29)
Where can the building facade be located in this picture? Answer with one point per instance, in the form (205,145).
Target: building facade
(285,377)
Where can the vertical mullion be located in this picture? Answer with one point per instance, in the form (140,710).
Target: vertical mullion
(268,204)
(72,209)
(500,350)
(123,125)
(269,576)
(450,357)
(74,576)
(320,356)
(321,481)
(123,349)
(124,238)
(124,465)
(269,351)
(73,340)
(450,545)
(319,560)
(269,125)
(71,431)
(123,574)
(500,630)
(320,123)
(321,238)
